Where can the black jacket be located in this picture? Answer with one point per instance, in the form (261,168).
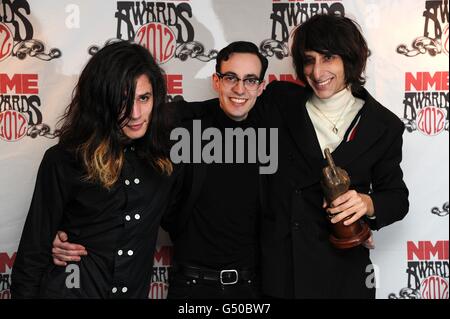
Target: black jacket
(194,174)
(297,259)
(118,227)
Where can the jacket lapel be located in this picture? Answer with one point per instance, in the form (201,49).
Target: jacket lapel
(302,131)
(369,131)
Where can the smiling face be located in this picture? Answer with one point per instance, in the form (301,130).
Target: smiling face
(324,73)
(142,109)
(236,101)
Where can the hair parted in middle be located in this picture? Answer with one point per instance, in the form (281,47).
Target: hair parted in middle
(102,103)
(330,34)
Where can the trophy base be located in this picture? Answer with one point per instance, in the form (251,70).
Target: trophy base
(358,239)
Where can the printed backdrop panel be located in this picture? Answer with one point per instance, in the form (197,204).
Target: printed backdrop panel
(44,45)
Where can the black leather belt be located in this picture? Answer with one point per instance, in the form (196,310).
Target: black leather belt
(225,276)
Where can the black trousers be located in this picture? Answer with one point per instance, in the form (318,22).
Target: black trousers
(183,287)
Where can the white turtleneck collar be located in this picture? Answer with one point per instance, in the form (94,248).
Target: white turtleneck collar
(339,110)
(333,106)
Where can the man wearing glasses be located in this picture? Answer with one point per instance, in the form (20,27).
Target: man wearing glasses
(214,229)
(215,235)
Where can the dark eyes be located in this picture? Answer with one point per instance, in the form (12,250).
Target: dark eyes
(144,98)
(234,79)
(325,58)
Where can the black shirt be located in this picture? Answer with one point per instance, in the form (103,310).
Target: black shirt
(221,232)
(118,227)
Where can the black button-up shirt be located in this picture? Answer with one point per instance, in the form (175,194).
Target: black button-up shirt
(118,227)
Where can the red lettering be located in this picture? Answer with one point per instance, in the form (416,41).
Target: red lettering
(174,83)
(5,261)
(6,42)
(431,120)
(30,84)
(434,287)
(13,125)
(425,81)
(19,83)
(158,39)
(158,290)
(170,44)
(425,249)
(163,255)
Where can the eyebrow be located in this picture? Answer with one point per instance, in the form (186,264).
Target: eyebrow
(143,94)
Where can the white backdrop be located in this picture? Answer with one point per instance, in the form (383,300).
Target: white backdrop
(44,44)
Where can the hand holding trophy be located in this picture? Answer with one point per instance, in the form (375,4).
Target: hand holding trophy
(335,182)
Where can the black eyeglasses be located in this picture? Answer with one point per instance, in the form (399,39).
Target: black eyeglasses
(230,80)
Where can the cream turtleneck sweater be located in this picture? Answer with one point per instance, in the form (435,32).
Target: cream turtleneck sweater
(338,110)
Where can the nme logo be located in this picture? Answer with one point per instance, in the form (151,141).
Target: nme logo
(160,277)
(428,268)
(6,42)
(14,117)
(424,250)
(6,263)
(426,102)
(159,39)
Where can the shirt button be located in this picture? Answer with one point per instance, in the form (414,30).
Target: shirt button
(124,289)
(120,252)
(127,182)
(136,180)
(132,148)
(128,218)
(114,290)
(130,253)
(137,216)
(296,225)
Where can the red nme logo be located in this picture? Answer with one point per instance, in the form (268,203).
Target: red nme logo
(158,39)
(13,126)
(434,287)
(431,120)
(6,42)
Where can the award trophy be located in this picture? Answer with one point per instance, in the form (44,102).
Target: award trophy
(335,182)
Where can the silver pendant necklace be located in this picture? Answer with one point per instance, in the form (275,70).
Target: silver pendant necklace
(334,124)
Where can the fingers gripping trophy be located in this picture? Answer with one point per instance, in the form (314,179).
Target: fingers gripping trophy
(335,182)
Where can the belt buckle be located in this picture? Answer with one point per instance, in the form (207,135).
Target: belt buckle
(222,272)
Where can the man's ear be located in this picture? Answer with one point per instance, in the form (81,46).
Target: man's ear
(261,87)
(215,82)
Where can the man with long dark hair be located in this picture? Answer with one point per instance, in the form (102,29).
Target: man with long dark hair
(106,183)
(332,111)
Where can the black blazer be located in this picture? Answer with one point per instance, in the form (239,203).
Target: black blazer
(297,259)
